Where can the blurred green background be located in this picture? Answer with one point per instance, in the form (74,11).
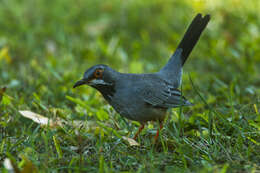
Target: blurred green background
(45,47)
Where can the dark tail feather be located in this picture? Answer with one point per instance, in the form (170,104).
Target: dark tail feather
(192,35)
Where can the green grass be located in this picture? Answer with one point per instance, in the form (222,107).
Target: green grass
(45,46)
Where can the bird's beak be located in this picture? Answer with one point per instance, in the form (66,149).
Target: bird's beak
(80,82)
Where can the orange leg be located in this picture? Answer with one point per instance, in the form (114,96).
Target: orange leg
(157,134)
(139,131)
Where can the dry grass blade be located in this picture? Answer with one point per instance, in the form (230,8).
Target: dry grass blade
(131,141)
(2,90)
(10,166)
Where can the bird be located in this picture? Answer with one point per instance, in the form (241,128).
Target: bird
(147,97)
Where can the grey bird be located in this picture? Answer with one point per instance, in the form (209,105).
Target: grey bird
(146,97)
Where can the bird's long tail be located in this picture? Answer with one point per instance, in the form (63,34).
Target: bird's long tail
(192,35)
(172,71)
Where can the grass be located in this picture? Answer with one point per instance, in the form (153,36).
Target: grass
(45,46)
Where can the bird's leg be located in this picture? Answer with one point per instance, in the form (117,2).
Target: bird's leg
(157,134)
(139,131)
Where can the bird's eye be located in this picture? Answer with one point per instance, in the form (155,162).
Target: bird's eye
(98,73)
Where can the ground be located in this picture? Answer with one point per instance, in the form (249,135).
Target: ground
(45,47)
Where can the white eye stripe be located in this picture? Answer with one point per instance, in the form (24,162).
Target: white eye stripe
(99,81)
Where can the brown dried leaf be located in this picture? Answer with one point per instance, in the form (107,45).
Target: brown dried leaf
(44,121)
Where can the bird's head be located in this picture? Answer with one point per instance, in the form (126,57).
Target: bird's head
(97,76)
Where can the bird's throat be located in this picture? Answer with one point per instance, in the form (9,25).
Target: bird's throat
(107,91)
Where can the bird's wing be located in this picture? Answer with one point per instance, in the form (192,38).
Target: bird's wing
(163,94)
